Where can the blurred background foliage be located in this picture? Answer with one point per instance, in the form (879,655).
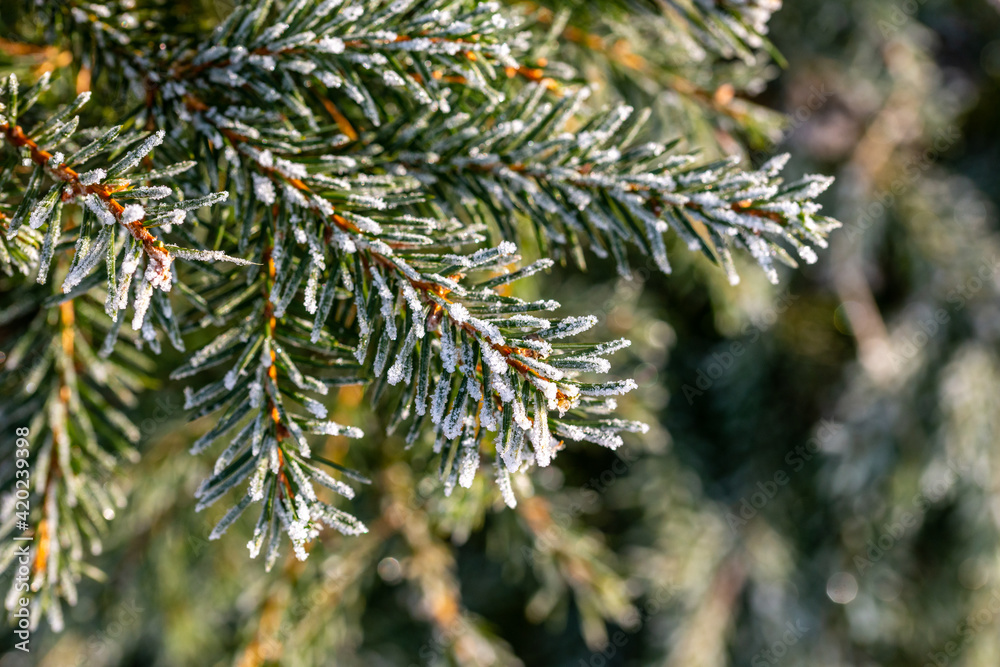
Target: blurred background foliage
(821,485)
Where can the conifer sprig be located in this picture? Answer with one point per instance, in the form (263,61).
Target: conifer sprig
(598,186)
(81,217)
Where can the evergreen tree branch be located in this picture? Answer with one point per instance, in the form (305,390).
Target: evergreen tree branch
(600,186)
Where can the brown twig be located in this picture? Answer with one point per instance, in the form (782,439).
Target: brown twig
(154,247)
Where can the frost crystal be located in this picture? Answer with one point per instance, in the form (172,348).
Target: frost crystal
(263,189)
(100,209)
(330,45)
(40,213)
(506,492)
(91,177)
(132,213)
(142,297)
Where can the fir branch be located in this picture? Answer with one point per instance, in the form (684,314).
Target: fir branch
(75,404)
(599,185)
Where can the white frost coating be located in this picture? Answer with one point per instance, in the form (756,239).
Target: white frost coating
(507,248)
(264,158)
(128,269)
(294,197)
(391,78)
(333,428)
(99,208)
(488,329)
(495,360)
(458,312)
(439,401)
(449,353)
(151,191)
(549,372)
(330,80)
(540,436)
(402,368)
(548,389)
(87,257)
(775,164)
(315,408)
(290,169)
(817,185)
(501,384)
(266,63)
(305,486)
(256,542)
(352,13)
(506,492)
(226,521)
(604,349)
(256,490)
(469,367)
(143,295)
(487,416)
(134,156)
(369,201)
(158,270)
(326,7)
(256,394)
(520,416)
(364,223)
(209,256)
(512,452)
(272,32)
(329,482)
(416,307)
(132,213)
(616,388)
(597,436)
(468,466)
(263,189)
(570,326)
(91,177)
(330,45)
(388,304)
(591,364)
(454,423)
(300,66)
(543,347)
(312,287)
(40,213)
